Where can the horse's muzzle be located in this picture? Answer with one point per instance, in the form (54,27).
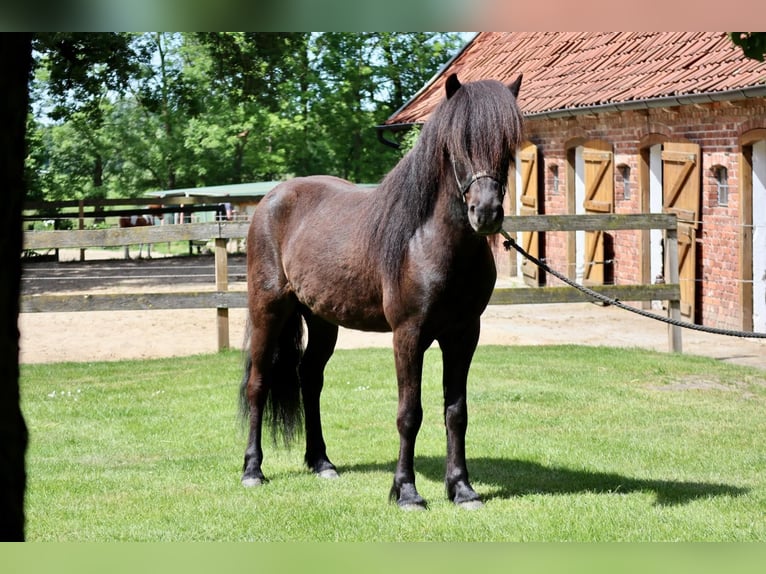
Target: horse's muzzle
(484,201)
(484,223)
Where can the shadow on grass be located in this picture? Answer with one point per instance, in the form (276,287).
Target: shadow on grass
(515,478)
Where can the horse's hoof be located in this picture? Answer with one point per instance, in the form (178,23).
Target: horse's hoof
(251,481)
(328,473)
(471,504)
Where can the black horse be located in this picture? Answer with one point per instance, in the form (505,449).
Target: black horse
(410,257)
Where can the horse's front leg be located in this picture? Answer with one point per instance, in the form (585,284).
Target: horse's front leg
(457,352)
(408,355)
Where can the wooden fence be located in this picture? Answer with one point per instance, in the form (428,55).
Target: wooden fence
(85,209)
(222,299)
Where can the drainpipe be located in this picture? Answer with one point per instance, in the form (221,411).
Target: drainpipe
(391,128)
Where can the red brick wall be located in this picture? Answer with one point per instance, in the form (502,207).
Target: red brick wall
(716,127)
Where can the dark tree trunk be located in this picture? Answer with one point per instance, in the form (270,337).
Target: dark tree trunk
(15,53)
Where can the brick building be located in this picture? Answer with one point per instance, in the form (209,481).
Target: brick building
(635,123)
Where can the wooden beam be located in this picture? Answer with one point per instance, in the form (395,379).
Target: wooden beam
(221,286)
(526,296)
(674,305)
(238,299)
(589,222)
(133,301)
(117,236)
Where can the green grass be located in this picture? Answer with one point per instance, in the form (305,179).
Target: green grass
(564,443)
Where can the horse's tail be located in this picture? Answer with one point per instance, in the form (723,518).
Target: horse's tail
(284,411)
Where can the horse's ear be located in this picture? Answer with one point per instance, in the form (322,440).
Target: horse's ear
(452,85)
(515,86)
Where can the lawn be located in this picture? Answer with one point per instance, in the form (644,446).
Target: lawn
(565,443)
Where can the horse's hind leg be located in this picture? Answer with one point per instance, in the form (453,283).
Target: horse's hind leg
(322,337)
(264,337)
(255,394)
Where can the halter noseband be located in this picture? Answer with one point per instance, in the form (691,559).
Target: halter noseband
(475,176)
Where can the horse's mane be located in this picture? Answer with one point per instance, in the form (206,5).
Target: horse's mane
(479,125)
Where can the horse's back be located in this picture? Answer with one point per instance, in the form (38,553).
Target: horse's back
(304,198)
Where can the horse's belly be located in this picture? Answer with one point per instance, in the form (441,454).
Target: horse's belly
(349,313)
(348,303)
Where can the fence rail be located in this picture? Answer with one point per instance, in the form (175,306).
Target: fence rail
(117,236)
(222,299)
(91,208)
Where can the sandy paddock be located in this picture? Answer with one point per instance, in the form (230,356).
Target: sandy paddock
(116,335)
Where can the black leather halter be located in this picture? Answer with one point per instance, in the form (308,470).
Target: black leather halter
(475,176)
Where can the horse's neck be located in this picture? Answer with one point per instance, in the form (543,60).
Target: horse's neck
(417,212)
(450,219)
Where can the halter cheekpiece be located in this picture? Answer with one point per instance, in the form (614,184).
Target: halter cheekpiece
(475,176)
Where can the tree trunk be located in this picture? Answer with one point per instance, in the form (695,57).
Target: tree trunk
(15,53)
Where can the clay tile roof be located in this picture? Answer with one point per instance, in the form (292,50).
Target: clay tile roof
(564,71)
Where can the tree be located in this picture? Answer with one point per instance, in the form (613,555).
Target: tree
(256,78)
(364,79)
(407,61)
(76,75)
(16,52)
(753,44)
(176,110)
(166,98)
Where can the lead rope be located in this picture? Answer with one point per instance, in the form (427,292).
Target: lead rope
(510,242)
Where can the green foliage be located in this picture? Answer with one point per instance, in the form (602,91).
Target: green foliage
(565,443)
(140,112)
(80,68)
(409,140)
(753,44)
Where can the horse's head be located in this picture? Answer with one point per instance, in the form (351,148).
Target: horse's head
(483,194)
(486,124)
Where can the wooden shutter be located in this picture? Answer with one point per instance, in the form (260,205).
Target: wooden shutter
(599,198)
(529,200)
(681,196)
(681,181)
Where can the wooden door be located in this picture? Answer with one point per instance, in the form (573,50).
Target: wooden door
(681,196)
(599,198)
(529,204)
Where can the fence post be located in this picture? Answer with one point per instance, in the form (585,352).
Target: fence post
(674,306)
(81,216)
(222,284)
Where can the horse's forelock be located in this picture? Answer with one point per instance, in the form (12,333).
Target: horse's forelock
(482,125)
